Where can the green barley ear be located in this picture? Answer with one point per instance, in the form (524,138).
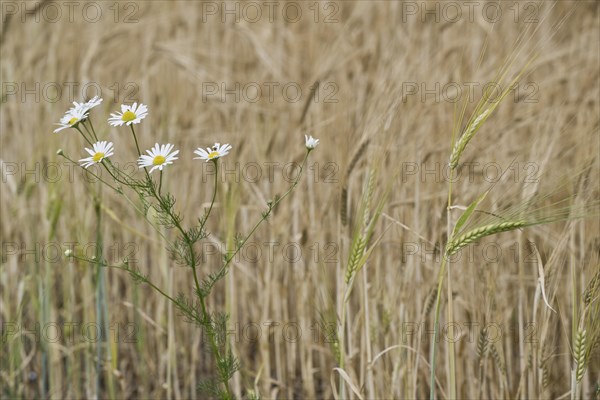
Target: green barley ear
(480,114)
(482,345)
(253,395)
(558,204)
(361,233)
(579,352)
(466,137)
(498,360)
(477,233)
(356,252)
(545,368)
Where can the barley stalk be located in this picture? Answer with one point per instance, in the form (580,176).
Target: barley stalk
(477,233)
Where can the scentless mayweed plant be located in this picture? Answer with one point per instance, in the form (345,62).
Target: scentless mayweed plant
(144,193)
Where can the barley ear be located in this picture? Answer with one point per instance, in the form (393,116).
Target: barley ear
(344,206)
(466,137)
(592,289)
(482,345)
(356,253)
(475,234)
(579,352)
(497,359)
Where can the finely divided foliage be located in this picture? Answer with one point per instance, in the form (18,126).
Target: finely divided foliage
(159,209)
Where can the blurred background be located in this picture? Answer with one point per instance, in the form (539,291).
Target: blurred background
(381,84)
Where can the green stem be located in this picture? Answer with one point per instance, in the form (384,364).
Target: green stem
(223,269)
(160,182)
(271,207)
(137,146)
(201,295)
(445,262)
(106,162)
(436,328)
(450,306)
(341,343)
(90,172)
(93,130)
(83,134)
(91,133)
(118,190)
(192,263)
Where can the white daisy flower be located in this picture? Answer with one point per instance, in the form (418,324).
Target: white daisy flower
(100,151)
(213,153)
(311,142)
(133,114)
(71,118)
(77,113)
(158,157)
(87,106)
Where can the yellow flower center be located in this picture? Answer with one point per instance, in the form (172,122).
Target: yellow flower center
(73,120)
(128,116)
(213,154)
(98,157)
(158,160)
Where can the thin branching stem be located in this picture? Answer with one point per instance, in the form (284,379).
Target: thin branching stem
(160,182)
(126,268)
(90,172)
(93,130)
(83,134)
(137,146)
